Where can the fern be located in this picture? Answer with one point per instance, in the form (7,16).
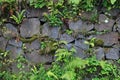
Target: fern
(77,63)
(64,54)
(18,19)
(51,74)
(69,75)
(75,1)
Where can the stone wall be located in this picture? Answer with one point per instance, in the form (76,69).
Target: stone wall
(107,30)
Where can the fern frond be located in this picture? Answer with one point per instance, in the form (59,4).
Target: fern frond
(77,63)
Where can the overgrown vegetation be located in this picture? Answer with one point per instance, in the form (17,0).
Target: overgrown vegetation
(65,66)
(59,10)
(19,18)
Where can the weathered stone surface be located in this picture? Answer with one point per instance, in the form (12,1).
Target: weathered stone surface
(3,43)
(14,51)
(75,25)
(45,29)
(52,32)
(113,53)
(9,31)
(103,18)
(69,46)
(80,26)
(87,26)
(117,26)
(104,23)
(81,44)
(30,27)
(0,32)
(88,15)
(66,37)
(105,26)
(35,12)
(80,53)
(109,38)
(15,43)
(35,58)
(100,54)
(80,36)
(114,13)
(35,45)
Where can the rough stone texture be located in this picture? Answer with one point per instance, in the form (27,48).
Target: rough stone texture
(75,25)
(80,36)
(109,38)
(69,46)
(104,23)
(3,43)
(35,58)
(105,26)
(0,32)
(52,32)
(30,27)
(14,51)
(113,53)
(35,45)
(117,26)
(66,37)
(35,12)
(9,31)
(45,29)
(114,13)
(102,18)
(87,15)
(80,53)
(87,26)
(15,43)
(100,54)
(80,27)
(81,44)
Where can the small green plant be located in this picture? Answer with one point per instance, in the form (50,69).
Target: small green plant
(2,22)
(63,55)
(49,47)
(38,3)
(69,32)
(91,43)
(118,61)
(43,45)
(66,67)
(94,42)
(4,59)
(20,62)
(53,19)
(19,17)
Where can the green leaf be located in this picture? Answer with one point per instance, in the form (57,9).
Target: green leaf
(69,75)
(86,42)
(74,1)
(51,74)
(112,1)
(77,63)
(73,50)
(92,44)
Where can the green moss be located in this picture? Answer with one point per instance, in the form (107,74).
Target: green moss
(1,51)
(99,42)
(49,48)
(34,37)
